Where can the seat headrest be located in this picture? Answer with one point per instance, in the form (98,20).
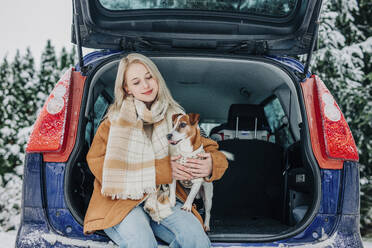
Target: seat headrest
(247,114)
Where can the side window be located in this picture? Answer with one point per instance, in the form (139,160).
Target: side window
(278,122)
(100,108)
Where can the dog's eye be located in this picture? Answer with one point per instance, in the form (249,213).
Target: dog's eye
(183,124)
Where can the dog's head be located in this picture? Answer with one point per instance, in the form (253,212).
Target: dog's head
(184,126)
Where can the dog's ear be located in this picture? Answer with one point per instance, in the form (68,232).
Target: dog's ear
(175,116)
(194,118)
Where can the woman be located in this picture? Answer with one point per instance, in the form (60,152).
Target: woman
(130,161)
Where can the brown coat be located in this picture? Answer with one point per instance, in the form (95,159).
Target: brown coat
(103,212)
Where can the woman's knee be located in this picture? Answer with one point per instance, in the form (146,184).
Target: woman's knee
(193,240)
(142,238)
(187,230)
(133,231)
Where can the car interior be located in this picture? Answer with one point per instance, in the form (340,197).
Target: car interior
(250,108)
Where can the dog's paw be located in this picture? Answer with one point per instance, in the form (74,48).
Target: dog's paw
(206,227)
(186,207)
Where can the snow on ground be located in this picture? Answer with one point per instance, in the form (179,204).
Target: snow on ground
(8,240)
(367,244)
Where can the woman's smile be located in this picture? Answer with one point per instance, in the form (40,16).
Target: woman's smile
(148,92)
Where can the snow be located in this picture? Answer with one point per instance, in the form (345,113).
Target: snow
(10,201)
(8,240)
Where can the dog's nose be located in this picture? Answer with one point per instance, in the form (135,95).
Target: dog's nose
(169,136)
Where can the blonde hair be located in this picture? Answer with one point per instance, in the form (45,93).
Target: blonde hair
(121,94)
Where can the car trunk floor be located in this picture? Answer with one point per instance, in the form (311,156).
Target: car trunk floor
(246,225)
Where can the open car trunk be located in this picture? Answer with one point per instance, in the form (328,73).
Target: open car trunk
(267,191)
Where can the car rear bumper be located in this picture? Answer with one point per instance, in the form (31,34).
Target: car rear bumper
(345,235)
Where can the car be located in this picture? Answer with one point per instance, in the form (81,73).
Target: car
(294,181)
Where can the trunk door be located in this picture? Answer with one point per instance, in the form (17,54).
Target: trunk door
(281,27)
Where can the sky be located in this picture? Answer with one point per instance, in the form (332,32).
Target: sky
(30,23)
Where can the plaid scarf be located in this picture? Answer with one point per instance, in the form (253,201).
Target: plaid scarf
(129,165)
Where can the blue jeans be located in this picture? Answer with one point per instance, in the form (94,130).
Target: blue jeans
(181,229)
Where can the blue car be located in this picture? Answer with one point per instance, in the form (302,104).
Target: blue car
(294,180)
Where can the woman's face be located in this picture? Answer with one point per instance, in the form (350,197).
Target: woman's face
(141,84)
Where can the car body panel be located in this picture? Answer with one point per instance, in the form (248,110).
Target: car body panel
(215,30)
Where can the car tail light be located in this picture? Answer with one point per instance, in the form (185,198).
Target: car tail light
(331,138)
(339,141)
(49,129)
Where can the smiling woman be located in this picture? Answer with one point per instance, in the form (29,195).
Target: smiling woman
(257,7)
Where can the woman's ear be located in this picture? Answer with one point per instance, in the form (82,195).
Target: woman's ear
(127,90)
(194,118)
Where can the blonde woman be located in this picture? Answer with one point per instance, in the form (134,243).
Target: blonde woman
(129,158)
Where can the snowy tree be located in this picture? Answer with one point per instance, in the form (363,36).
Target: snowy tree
(48,75)
(66,59)
(5,74)
(19,109)
(14,80)
(4,89)
(15,95)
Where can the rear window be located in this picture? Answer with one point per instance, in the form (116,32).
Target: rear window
(275,8)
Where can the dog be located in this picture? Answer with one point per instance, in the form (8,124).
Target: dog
(185,141)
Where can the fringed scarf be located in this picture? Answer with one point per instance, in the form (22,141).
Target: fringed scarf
(129,165)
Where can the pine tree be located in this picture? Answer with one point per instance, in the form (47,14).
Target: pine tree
(14,95)
(29,77)
(48,75)
(10,180)
(19,110)
(4,90)
(72,59)
(5,74)
(66,59)
(28,107)
(63,63)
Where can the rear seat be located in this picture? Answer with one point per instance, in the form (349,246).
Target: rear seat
(253,183)
(245,121)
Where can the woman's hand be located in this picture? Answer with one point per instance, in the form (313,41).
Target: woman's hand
(179,171)
(200,167)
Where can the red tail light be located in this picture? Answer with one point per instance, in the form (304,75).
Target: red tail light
(339,141)
(55,130)
(48,132)
(331,138)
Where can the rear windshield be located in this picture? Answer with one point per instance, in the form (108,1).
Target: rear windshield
(275,8)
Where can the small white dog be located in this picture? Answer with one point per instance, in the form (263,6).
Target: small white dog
(185,141)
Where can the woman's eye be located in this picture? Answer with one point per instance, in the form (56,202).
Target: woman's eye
(136,83)
(149,77)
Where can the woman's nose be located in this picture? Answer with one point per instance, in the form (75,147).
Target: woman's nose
(145,84)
